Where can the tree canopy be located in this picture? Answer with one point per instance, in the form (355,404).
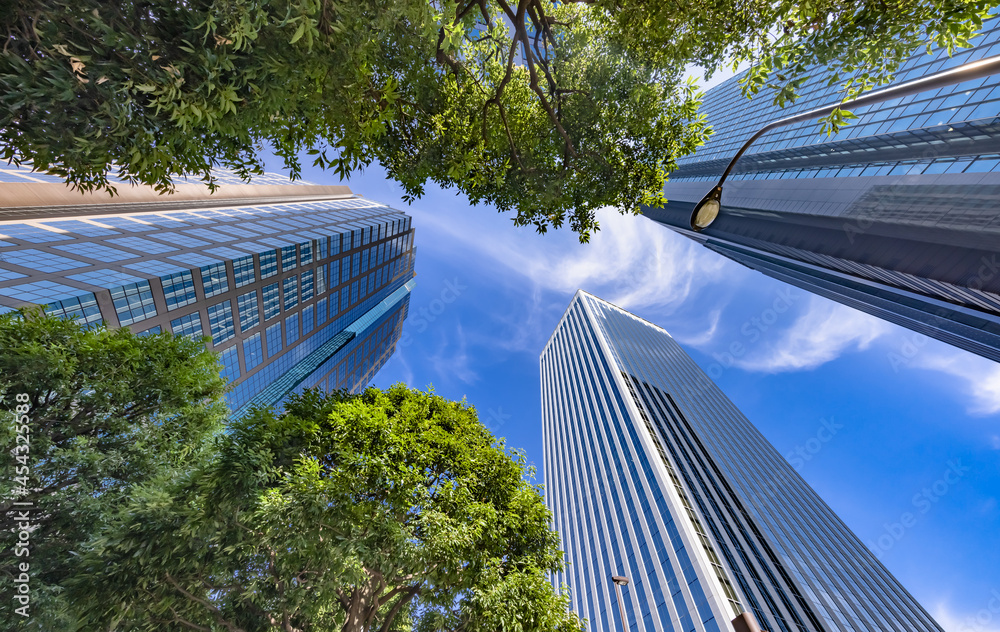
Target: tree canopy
(548,109)
(106,411)
(390,510)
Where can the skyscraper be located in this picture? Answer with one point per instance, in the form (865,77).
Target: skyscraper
(652,473)
(898,215)
(295,285)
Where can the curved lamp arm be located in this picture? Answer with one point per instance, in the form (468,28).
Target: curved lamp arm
(708,208)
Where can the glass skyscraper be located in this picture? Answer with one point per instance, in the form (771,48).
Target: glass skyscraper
(294,285)
(898,215)
(652,473)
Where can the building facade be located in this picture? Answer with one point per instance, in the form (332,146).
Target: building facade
(652,473)
(293,285)
(898,215)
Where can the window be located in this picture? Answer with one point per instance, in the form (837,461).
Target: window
(133,302)
(273,339)
(344,298)
(323,249)
(305,253)
(335,274)
(178,289)
(307,319)
(82,309)
(290,290)
(272,302)
(253,353)
(41,261)
(345,268)
(321,311)
(334,245)
(320,280)
(152,331)
(220,320)
(292,328)
(287,258)
(247,306)
(307,285)
(243,270)
(178,239)
(214,280)
(230,364)
(364,262)
(268,264)
(96,251)
(355,264)
(354,293)
(189,326)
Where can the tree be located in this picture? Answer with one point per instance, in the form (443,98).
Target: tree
(546,108)
(375,512)
(105,410)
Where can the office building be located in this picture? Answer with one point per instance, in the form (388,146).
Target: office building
(898,215)
(653,474)
(295,285)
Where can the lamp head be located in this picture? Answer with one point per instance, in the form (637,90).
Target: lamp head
(618,579)
(707,210)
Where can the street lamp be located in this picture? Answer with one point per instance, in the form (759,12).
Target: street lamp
(620,581)
(708,208)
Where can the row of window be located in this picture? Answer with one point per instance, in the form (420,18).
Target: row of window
(134,302)
(735,118)
(984,164)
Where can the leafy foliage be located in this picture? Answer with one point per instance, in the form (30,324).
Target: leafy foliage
(107,410)
(547,109)
(861,44)
(382,511)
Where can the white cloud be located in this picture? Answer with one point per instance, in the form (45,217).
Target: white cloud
(703,338)
(644,267)
(981,377)
(823,332)
(985,620)
(452,361)
(631,262)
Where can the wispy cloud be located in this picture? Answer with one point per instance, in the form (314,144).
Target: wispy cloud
(631,261)
(985,620)
(451,360)
(693,292)
(822,332)
(979,377)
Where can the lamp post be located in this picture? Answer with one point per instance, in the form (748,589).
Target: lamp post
(619,582)
(708,208)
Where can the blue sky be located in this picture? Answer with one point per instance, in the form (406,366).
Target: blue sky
(905,409)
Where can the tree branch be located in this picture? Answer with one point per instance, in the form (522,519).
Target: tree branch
(216,613)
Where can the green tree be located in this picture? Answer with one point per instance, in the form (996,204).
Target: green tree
(545,108)
(106,410)
(389,510)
